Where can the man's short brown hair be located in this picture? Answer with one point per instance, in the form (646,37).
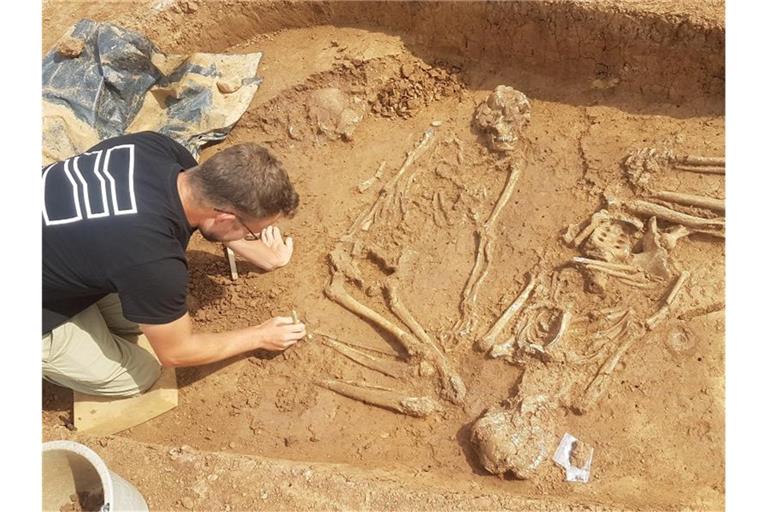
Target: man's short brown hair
(247,178)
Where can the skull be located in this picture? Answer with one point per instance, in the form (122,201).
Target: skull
(502,117)
(516,439)
(336,113)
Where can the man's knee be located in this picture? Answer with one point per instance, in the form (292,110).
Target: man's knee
(137,374)
(148,377)
(117,369)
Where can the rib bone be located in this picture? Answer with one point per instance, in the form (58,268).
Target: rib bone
(417,406)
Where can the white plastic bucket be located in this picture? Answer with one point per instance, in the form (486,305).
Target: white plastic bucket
(69,468)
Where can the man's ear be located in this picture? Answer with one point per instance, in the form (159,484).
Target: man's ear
(223,217)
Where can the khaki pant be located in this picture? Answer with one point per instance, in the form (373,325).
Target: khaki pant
(96,353)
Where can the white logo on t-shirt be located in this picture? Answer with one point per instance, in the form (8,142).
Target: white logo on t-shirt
(85,178)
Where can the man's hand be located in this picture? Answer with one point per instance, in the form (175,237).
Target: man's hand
(279,333)
(281,249)
(268,253)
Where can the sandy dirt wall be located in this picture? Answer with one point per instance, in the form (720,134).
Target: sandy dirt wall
(185,478)
(665,51)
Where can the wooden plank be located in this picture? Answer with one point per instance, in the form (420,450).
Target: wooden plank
(101,415)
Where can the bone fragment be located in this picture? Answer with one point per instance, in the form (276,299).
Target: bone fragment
(438,215)
(664,310)
(614,330)
(612,313)
(417,406)
(389,368)
(692,200)
(597,387)
(336,292)
(565,322)
(384,202)
(635,283)
(701,310)
(232,262)
(668,214)
(490,338)
(542,349)
(365,185)
(343,262)
(441,205)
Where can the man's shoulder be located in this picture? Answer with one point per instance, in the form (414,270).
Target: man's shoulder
(141,138)
(149,144)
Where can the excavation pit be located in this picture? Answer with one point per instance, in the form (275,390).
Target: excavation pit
(349,90)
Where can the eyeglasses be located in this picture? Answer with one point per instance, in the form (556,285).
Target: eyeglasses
(251,235)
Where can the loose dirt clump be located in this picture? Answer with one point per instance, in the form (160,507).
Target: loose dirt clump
(84,502)
(70,47)
(418,85)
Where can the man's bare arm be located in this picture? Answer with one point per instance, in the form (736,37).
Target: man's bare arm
(175,343)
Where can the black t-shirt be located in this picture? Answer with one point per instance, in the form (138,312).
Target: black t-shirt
(113,222)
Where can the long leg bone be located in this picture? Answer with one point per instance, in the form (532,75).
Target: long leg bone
(699,160)
(490,338)
(417,406)
(665,309)
(389,368)
(452,385)
(390,353)
(336,292)
(691,200)
(668,214)
(701,164)
(486,237)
